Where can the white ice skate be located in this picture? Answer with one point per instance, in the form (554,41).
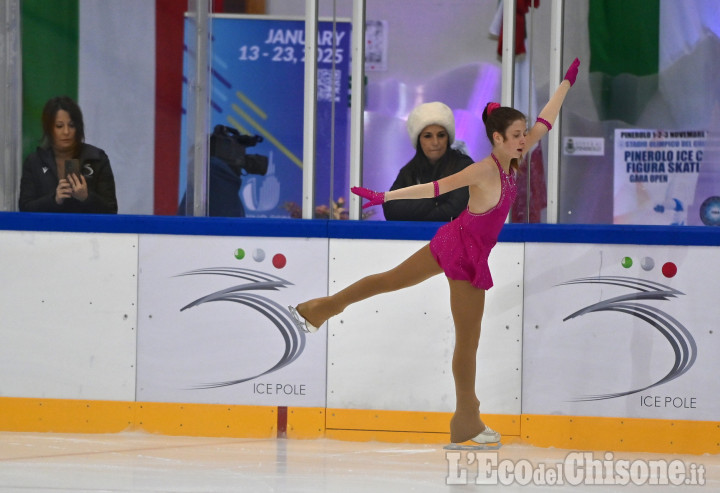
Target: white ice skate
(488,439)
(300,321)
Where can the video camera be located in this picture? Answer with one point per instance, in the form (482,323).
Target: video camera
(228,144)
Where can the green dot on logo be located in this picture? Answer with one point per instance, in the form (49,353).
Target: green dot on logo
(239,254)
(626,262)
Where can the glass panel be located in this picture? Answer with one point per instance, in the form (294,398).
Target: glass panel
(197,184)
(102,56)
(258,97)
(169,108)
(10,91)
(532,91)
(420,51)
(416,52)
(116,91)
(639,142)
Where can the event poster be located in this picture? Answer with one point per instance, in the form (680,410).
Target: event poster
(656,175)
(258,79)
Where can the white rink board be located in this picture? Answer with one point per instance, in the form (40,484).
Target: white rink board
(394,351)
(200,354)
(612,351)
(69,313)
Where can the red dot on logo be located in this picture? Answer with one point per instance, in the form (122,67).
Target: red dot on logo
(669,269)
(279,261)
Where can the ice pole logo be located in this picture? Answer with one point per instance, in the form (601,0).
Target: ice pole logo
(677,335)
(243,294)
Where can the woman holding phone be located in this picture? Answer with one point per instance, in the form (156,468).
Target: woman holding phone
(65,174)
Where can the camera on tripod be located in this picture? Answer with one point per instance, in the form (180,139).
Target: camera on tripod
(229,145)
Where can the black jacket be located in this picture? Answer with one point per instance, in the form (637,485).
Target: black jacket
(224,194)
(40,179)
(443,208)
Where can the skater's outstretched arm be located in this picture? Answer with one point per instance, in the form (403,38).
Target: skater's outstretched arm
(466,177)
(549,113)
(475,174)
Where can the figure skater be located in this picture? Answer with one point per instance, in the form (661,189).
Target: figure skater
(460,249)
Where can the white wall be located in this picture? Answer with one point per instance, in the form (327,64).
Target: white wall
(654,325)
(71,326)
(394,352)
(69,313)
(78,308)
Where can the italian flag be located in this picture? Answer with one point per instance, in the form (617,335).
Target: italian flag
(654,60)
(655,64)
(122,62)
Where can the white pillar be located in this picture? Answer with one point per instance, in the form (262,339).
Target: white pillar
(556,31)
(357,106)
(508,54)
(10,101)
(310,109)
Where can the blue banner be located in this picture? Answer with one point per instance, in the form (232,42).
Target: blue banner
(258,76)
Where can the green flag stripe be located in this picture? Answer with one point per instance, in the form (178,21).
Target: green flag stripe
(49,59)
(624,36)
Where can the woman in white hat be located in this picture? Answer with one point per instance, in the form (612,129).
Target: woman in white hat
(431,127)
(459,249)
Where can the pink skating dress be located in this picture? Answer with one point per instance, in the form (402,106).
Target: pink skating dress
(462,247)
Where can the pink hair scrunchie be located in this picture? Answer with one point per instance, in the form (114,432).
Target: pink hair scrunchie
(492,107)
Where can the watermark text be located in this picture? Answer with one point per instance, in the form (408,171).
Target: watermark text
(485,467)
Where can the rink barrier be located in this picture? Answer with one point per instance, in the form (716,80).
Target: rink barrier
(418,427)
(573,432)
(210,420)
(220,226)
(622,434)
(233,421)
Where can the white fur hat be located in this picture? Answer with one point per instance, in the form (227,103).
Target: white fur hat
(434,113)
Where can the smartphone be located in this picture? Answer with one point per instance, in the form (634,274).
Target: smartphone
(72,166)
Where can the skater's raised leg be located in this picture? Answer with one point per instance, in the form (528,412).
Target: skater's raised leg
(418,267)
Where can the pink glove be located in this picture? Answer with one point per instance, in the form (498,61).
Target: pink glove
(572,72)
(375,198)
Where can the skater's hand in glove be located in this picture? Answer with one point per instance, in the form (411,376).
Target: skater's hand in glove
(572,72)
(375,198)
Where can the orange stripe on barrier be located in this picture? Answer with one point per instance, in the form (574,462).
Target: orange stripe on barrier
(306,422)
(621,434)
(80,416)
(208,420)
(411,421)
(65,416)
(217,420)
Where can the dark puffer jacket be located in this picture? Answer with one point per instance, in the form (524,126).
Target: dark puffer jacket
(443,208)
(40,179)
